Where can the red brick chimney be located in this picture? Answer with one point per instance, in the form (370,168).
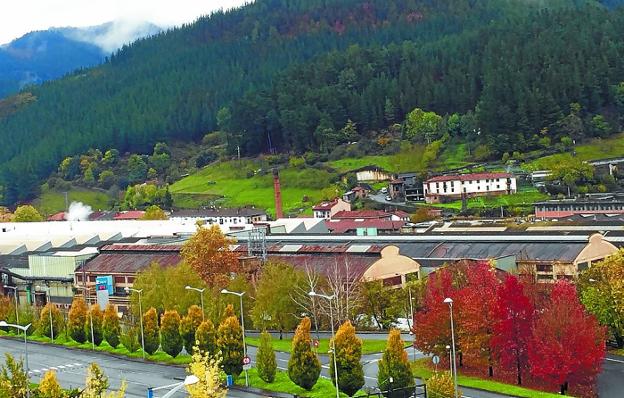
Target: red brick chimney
(278,195)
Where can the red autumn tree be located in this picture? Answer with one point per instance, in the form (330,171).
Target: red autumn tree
(476,303)
(433,330)
(567,343)
(512,327)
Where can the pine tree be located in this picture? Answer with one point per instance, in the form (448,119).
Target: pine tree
(49,386)
(111,327)
(395,364)
(230,343)
(266,362)
(348,356)
(205,337)
(304,367)
(95,320)
(189,325)
(171,341)
(77,320)
(150,331)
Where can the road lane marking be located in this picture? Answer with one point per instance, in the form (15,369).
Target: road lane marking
(614,360)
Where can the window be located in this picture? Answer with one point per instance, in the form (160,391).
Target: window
(582,266)
(544,277)
(544,268)
(120,279)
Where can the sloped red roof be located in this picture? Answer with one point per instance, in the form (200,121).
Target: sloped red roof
(365,214)
(129,215)
(60,216)
(400,214)
(325,205)
(469,177)
(129,263)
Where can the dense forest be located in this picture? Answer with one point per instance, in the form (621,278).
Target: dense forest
(272,72)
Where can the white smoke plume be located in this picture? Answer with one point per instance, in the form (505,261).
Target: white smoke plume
(78,212)
(112,35)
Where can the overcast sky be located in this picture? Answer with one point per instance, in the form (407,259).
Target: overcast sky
(18,17)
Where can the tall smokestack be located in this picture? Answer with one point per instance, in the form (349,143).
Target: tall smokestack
(278,194)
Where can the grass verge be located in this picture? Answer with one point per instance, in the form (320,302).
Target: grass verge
(51,201)
(284,345)
(322,389)
(422,370)
(524,197)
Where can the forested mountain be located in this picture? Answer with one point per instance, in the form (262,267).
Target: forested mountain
(281,71)
(49,54)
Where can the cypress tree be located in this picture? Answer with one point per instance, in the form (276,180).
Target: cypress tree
(205,337)
(150,331)
(267,365)
(395,364)
(96,319)
(348,356)
(230,343)
(77,320)
(304,367)
(189,325)
(44,320)
(111,327)
(171,340)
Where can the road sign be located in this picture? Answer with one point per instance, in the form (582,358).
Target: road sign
(435,359)
(101,293)
(246,360)
(316,343)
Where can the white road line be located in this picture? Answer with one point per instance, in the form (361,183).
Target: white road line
(614,360)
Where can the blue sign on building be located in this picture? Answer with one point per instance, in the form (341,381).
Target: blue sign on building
(106,281)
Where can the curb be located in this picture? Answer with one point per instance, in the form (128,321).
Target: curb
(261,392)
(110,354)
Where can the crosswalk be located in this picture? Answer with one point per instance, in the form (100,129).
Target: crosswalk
(59,368)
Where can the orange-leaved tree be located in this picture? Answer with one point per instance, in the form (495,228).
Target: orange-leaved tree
(208,252)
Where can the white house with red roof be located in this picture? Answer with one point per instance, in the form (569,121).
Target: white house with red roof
(328,209)
(452,187)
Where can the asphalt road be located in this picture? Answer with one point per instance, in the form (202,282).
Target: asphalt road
(71,368)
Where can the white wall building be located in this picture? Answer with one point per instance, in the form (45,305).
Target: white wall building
(327,210)
(453,187)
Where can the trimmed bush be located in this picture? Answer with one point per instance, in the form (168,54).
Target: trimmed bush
(304,367)
(111,327)
(205,338)
(230,343)
(77,320)
(440,385)
(189,325)
(95,319)
(170,339)
(395,364)
(266,363)
(49,386)
(150,331)
(348,357)
(131,338)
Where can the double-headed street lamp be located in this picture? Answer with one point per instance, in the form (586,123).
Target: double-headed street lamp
(201,294)
(46,289)
(139,291)
(449,301)
(14,288)
(4,324)
(331,321)
(188,381)
(240,296)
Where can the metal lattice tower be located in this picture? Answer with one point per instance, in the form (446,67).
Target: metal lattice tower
(256,245)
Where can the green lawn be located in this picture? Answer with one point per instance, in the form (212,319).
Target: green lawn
(368,346)
(51,201)
(422,370)
(229,181)
(322,389)
(524,197)
(596,149)
(454,156)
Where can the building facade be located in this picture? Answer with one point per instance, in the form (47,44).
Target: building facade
(567,208)
(454,187)
(327,210)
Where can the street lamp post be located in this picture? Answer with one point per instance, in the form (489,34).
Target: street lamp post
(331,321)
(240,296)
(449,301)
(139,291)
(413,331)
(46,289)
(14,288)
(24,329)
(448,348)
(201,295)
